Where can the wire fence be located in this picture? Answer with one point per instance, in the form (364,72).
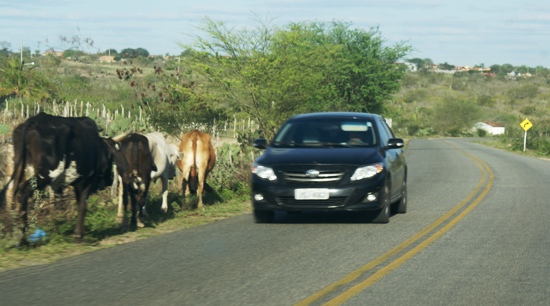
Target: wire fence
(15,112)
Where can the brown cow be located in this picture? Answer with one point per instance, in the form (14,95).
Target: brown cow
(197,161)
(136,178)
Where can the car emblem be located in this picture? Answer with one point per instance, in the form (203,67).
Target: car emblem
(312,173)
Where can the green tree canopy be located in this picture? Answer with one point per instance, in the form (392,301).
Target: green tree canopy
(272,73)
(455,115)
(19,80)
(446,66)
(133,53)
(422,64)
(112,52)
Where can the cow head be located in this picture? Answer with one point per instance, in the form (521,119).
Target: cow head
(173,156)
(113,155)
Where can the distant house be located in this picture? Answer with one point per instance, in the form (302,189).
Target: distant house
(106,59)
(492,128)
(52,52)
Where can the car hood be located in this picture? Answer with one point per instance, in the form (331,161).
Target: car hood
(326,156)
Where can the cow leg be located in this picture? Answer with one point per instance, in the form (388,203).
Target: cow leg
(124,206)
(142,214)
(121,204)
(22,199)
(133,219)
(82,198)
(164,181)
(200,188)
(25,192)
(185,191)
(187,188)
(138,211)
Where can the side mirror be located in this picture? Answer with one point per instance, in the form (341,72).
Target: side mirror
(260,143)
(395,143)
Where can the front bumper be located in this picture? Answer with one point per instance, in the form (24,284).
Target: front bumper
(360,196)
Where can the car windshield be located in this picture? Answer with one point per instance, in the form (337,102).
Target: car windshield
(333,132)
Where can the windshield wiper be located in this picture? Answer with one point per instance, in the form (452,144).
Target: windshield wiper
(284,144)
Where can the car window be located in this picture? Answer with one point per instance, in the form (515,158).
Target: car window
(326,133)
(388,129)
(385,133)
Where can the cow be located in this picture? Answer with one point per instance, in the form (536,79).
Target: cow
(165,157)
(197,161)
(135,180)
(61,152)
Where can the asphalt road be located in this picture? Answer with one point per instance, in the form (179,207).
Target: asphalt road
(476,233)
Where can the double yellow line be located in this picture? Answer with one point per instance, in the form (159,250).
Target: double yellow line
(474,198)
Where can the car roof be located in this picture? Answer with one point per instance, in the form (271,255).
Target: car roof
(323,115)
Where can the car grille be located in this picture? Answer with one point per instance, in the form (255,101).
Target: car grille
(323,177)
(332,202)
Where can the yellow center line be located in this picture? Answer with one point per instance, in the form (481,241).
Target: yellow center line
(393,265)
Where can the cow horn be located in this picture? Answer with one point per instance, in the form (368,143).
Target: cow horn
(120,137)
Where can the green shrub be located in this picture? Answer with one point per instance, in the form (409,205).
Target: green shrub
(481,132)
(100,218)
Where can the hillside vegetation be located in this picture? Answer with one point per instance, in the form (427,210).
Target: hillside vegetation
(440,104)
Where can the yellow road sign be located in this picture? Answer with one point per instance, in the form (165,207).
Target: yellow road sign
(526,124)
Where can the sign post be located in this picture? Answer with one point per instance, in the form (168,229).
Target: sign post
(525,125)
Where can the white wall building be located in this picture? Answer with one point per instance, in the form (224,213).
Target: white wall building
(492,128)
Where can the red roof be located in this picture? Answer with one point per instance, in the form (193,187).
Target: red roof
(493,124)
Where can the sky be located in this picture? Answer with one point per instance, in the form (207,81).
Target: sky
(457,32)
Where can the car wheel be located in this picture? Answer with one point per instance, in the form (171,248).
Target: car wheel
(383,215)
(401,205)
(264,216)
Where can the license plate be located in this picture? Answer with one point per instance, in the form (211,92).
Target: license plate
(311,194)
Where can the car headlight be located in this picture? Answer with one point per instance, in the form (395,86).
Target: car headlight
(265,173)
(367,172)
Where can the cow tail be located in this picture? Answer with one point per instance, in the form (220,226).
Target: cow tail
(194,178)
(3,196)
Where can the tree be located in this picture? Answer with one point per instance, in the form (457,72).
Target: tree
(272,73)
(421,64)
(18,80)
(128,53)
(496,69)
(111,52)
(507,68)
(134,53)
(5,49)
(364,73)
(446,66)
(142,52)
(455,115)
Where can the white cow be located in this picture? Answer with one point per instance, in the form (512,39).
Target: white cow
(165,157)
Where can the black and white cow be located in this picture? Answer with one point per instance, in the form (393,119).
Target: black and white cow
(61,152)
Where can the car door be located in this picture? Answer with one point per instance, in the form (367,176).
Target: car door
(395,158)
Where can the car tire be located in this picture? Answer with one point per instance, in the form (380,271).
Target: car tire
(383,215)
(264,216)
(401,205)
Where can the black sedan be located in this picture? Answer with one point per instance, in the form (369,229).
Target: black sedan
(330,161)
